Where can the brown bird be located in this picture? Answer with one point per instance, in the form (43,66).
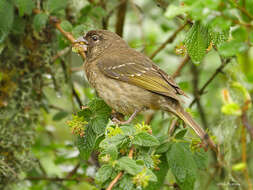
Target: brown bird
(128,81)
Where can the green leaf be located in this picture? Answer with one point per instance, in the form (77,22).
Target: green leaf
(18,26)
(196,42)
(60,115)
(201,159)
(129,165)
(218,37)
(111,150)
(146,159)
(25,6)
(173,11)
(66,26)
(126,183)
(56,5)
(180,134)
(7,17)
(104,173)
(40,21)
(231,109)
(79,30)
(114,140)
(86,144)
(182,165)
(100,115)
(160,174)
(232,48)
(145,139)
(163,147)
(240,34)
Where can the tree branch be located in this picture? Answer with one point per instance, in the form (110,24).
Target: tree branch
(218,70)
(78,179)
(195,81)
(244,158)
(105,20)
(169,40)
(180,67)
(121,14)
(116,179)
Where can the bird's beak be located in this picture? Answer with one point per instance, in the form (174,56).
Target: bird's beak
(80,45)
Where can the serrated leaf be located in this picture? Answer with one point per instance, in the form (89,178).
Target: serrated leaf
(7,17)
(164,147)
(182,165)
(25,6)
(196,42)
(40,21)
(104,173)
(126,183)
(129,165)
(111,150)
(128,130)
(86,144)
(145,139)
(56,5)
(114,140)
(100,115)
(217,38)
(160,174)
(146,158)
(201,159)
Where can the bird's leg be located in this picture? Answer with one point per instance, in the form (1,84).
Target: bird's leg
(130,119)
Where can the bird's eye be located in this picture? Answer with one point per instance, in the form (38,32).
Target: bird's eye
(94,38)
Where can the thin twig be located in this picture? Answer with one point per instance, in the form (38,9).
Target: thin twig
(180,67)
(105,20)
(246,124)
(60,53)
(217,71)
(77,97)
(173,126)
(121,14)
(195,81)
(78,179)
(116,179)
(169,40)
(244,158)
(73,172)
(242,9)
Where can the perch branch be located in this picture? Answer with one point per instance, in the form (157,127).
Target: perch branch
(116,179)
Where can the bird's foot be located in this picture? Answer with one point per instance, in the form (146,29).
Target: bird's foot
(115,120)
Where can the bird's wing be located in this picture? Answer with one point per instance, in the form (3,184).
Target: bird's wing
(137,69)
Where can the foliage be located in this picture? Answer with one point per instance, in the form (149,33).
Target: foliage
(43,90)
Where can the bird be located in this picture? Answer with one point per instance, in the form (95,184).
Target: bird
(129,81)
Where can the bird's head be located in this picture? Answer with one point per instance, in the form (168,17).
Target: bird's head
(96,42)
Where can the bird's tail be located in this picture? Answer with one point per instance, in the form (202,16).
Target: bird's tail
(187,118)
